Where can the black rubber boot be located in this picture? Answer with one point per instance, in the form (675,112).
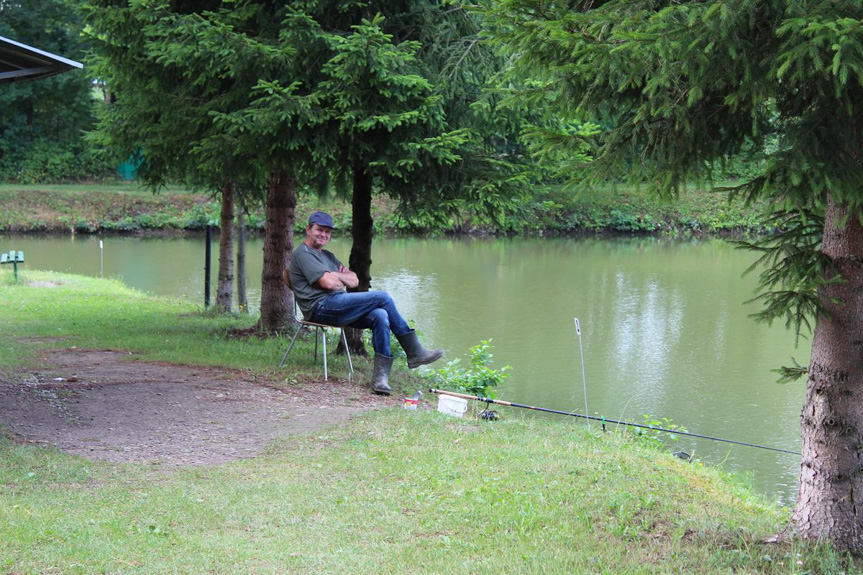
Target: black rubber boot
(381,375)
(417,354)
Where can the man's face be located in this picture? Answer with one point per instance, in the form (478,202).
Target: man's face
(317,236)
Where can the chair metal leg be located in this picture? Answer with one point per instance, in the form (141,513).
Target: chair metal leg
(293,339)
(323,334)
(347,350)
(324,345)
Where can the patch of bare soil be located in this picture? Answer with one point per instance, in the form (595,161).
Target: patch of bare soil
(108,405)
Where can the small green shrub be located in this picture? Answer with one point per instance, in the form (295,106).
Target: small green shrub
(477,379)
(127,224)
(631,222)
(662,430)
(200,217)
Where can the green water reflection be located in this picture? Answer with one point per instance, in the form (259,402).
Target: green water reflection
(664,328)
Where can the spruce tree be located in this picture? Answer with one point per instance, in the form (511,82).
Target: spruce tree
(682,86)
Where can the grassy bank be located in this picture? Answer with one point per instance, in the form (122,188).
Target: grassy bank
(125,208)
(394,491)
(52,309)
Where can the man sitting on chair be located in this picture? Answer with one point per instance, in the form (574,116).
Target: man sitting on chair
(319,283)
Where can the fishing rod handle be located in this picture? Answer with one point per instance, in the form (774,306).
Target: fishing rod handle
(453,393)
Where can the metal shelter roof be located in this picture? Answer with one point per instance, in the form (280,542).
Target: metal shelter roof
(21,62)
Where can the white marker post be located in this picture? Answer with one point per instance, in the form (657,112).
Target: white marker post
(583,378)
(101,260)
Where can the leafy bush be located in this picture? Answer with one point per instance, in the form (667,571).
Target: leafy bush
(201,216)
(631,222)
(477,379)
(661,432)
(47,161)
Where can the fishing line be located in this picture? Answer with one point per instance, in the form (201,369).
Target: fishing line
(605,420)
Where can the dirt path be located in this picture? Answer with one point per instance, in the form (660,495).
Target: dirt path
(108,405)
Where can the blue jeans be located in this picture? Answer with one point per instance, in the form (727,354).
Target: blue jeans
(373,310)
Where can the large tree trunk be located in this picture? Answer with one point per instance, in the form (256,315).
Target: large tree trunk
(361,250)
(225,287)
(242,296)
(830,498)
(276,298)
(363,228)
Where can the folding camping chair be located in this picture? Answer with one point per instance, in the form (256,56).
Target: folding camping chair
(319,328)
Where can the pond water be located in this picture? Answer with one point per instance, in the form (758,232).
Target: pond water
(664,328)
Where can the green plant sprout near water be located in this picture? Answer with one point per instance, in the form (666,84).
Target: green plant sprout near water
(660,437)
(476,379)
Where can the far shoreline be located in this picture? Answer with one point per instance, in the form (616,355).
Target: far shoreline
(127,210)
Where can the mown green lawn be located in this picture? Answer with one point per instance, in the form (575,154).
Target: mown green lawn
(394,491)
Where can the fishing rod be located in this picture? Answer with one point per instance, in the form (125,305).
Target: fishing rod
(603,419)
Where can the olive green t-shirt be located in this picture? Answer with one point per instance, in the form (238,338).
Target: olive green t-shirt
(306,268)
